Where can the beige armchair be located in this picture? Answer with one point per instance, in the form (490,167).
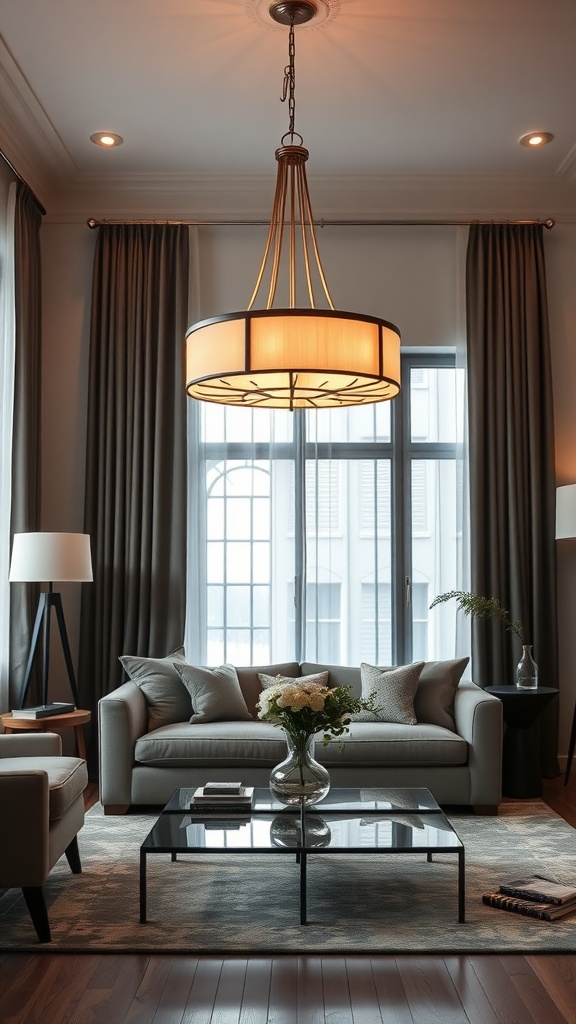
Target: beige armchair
(42,811)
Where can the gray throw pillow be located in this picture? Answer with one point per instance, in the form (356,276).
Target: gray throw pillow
(319,677)
(434,700)
(215,693)
(166,696)
(393,690)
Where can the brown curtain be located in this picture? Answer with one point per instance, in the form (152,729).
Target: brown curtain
(25,501)
(512,481)
(135,508)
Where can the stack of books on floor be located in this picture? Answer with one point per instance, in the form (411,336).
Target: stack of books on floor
(222,798)
(534,896)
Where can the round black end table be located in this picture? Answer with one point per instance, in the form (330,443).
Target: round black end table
(521,774)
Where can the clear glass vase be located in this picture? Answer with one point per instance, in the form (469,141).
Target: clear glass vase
(527,670)
(299,778)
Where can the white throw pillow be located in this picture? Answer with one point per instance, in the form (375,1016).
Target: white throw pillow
(393,691)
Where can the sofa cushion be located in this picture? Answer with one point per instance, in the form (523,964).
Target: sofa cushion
(259,744)
(393,691)
(212,744)
(250,684)
(166,697)
(215,693)
(387,743)
(436,690)
(67,778)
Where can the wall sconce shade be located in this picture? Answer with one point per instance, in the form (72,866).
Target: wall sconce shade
(566,511)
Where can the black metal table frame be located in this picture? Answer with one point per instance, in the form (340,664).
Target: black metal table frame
(302,852)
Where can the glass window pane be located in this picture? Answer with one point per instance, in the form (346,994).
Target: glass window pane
(261,563)
(215,519)
(435,556)
(238,606)
(436,403)
(215,562)
(238,557)
(215,647)
(238,518)
(215,606)
(261,606)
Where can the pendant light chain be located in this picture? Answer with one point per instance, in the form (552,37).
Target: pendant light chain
(289,87)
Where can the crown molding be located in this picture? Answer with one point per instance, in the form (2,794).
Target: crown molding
(204,197)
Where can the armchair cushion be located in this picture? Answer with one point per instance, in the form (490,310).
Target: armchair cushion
(67,778)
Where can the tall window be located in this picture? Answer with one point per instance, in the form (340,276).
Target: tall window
(324,536)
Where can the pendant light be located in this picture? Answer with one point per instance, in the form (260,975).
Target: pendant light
(293,357)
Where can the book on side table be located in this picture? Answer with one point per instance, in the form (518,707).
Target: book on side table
(534,896)
(222,798)
(44,710)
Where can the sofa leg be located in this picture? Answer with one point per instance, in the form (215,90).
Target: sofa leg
(73,856)
(485,809)
(36,905)
(116,808)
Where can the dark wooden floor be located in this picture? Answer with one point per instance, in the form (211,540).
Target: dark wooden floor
(142,989)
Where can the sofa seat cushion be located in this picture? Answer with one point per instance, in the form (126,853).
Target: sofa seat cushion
(212,743)
(386,743)
(67,778)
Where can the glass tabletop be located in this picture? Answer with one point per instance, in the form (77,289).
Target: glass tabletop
(360,801)
(338,831)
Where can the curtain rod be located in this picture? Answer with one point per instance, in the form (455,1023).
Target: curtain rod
(92,222)
(23,180)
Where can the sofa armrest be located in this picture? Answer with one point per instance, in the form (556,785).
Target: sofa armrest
(24,810)
(122,719)
(478,718)
(39,744)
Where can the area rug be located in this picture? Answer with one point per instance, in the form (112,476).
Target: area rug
(248,904)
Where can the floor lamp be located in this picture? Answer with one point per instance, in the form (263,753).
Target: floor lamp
(565,528)
(50,558)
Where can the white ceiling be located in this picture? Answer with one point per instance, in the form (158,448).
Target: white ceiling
(406,106)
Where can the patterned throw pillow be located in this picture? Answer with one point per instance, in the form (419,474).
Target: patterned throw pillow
(215,693)
(166,696)
(319,677)
(394,691)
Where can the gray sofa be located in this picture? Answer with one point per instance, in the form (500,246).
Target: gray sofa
(148,747)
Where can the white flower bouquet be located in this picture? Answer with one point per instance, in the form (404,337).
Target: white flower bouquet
(304,708)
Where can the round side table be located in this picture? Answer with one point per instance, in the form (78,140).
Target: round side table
(521,775)
(71,720)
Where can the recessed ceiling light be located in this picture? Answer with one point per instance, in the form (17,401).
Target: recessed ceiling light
(534,140)
(106,139)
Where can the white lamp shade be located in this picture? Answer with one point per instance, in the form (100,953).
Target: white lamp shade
(51,558)
(566,511)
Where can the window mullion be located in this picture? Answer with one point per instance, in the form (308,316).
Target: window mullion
(299,533)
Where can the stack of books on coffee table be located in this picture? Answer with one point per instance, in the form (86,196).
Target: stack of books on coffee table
(222,798)
(534,897)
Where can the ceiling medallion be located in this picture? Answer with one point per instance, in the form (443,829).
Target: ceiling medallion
(313,14)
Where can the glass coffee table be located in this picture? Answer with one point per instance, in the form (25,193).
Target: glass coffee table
(347,821)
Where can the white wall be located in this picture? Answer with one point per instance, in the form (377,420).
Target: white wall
(412,276)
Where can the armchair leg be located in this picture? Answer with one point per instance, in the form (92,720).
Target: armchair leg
(36,905)
(73,856)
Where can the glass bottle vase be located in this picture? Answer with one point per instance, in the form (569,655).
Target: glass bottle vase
(299,778)
(527,670)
